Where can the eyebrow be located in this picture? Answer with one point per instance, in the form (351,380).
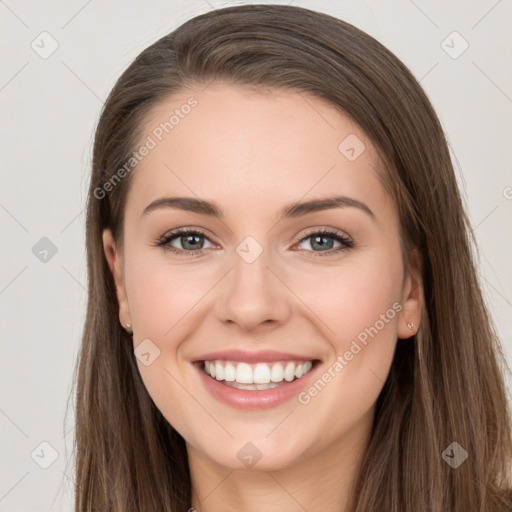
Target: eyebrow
(292,210)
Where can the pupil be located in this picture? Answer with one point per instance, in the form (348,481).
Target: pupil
(193,240)
(323,243)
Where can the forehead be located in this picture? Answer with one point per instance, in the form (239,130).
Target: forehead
(238,146)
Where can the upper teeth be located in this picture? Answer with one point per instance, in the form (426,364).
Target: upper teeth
(260,373)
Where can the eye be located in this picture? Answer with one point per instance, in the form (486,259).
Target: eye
(322,242)
(184,241)
(191,242)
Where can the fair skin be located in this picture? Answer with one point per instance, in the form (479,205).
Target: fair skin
(253,154)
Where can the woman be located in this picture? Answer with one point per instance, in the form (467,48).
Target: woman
(284,312)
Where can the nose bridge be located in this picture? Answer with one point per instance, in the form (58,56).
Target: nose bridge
(251,269)
(253,295)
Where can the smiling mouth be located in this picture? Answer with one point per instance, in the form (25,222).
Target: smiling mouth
(259,376)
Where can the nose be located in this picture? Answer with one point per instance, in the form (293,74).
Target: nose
(253,296)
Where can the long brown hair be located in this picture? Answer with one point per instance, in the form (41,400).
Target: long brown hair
(444,386)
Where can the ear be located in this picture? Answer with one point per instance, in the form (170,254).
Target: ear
(412,298)
(115,263)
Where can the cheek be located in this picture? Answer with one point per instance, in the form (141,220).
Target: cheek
(349,300)
(160,296)
(358,307)
(164,300)
(161,300)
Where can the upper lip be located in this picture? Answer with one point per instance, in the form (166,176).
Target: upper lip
(245,356)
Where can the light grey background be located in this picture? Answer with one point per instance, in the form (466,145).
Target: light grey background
(49,108)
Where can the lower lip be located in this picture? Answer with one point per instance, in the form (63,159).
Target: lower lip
(255,399)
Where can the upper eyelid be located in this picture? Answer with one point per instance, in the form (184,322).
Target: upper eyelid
(327,231)
(171,235)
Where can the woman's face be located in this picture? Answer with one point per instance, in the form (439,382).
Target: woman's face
(292,263)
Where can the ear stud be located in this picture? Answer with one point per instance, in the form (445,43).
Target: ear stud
(410,325)
(129,329)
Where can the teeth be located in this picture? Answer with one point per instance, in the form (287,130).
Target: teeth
(229,372)
(244,373)
(259,376)
(219,371)
(289,372)
(277,373)
(252,387)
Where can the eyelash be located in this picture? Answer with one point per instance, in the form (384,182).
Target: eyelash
(346,243)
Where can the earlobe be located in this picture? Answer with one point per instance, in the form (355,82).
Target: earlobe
(412,299)
(115,263)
